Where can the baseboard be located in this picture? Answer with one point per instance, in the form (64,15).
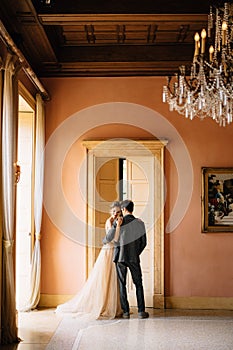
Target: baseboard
(193,303)
(199,303)
(52,300)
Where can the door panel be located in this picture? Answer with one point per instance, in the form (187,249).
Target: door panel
(107,191)
(140,175)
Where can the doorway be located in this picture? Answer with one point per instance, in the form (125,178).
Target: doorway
(24,196)
(144,184)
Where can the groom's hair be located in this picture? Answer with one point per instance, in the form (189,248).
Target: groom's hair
(128,205)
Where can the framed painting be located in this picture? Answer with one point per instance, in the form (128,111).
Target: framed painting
(217,199)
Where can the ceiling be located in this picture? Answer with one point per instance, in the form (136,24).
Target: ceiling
(106,37)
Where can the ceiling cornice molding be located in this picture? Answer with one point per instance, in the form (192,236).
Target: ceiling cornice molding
(69,19)
(8,41)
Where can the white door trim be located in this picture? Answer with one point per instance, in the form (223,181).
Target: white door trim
(123,148)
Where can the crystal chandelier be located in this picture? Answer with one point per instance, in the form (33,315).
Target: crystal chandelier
(207,91)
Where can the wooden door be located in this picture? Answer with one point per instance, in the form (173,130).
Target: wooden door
(107,191)
(140,184)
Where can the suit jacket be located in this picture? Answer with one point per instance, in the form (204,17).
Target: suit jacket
(131,242)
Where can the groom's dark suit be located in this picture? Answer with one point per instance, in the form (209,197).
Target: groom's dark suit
(127,250)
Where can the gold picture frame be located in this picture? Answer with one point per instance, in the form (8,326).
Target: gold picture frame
(217,199)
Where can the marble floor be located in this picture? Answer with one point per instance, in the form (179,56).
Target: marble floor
(164,330)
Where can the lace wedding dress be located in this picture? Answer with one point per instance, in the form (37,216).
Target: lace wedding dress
(100,294)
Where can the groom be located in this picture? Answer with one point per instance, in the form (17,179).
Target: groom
(128,247)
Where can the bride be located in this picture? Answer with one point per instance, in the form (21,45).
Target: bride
(100,294)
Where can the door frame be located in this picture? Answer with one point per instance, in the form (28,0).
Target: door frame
(122,148)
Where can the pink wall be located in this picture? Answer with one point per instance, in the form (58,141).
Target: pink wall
(196,264)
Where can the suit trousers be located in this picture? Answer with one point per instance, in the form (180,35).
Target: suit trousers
(136,273)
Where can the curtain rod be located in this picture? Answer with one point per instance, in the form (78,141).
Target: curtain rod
(25,65)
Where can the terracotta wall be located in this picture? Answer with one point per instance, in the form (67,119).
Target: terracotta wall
(196,264)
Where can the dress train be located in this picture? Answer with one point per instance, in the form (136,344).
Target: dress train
(99,296)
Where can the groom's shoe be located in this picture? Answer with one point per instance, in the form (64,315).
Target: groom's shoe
(143,314)
(126,315)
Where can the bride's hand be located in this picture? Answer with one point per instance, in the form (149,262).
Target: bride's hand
(119,221)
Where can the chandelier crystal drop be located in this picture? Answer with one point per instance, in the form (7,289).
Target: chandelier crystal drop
(207,90)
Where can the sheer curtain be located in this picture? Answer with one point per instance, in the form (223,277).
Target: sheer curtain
(8,311)
(39,179)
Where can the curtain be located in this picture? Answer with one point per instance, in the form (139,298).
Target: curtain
(8,310)
(38,201)
(1,234)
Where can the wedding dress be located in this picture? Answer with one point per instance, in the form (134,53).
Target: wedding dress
(99,296)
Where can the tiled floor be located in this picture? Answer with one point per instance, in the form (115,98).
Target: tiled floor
(164,330)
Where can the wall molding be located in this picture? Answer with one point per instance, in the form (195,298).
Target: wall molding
(199,303)
(185,303)
(53,300)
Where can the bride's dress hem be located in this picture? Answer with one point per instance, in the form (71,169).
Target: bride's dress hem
(99,297)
